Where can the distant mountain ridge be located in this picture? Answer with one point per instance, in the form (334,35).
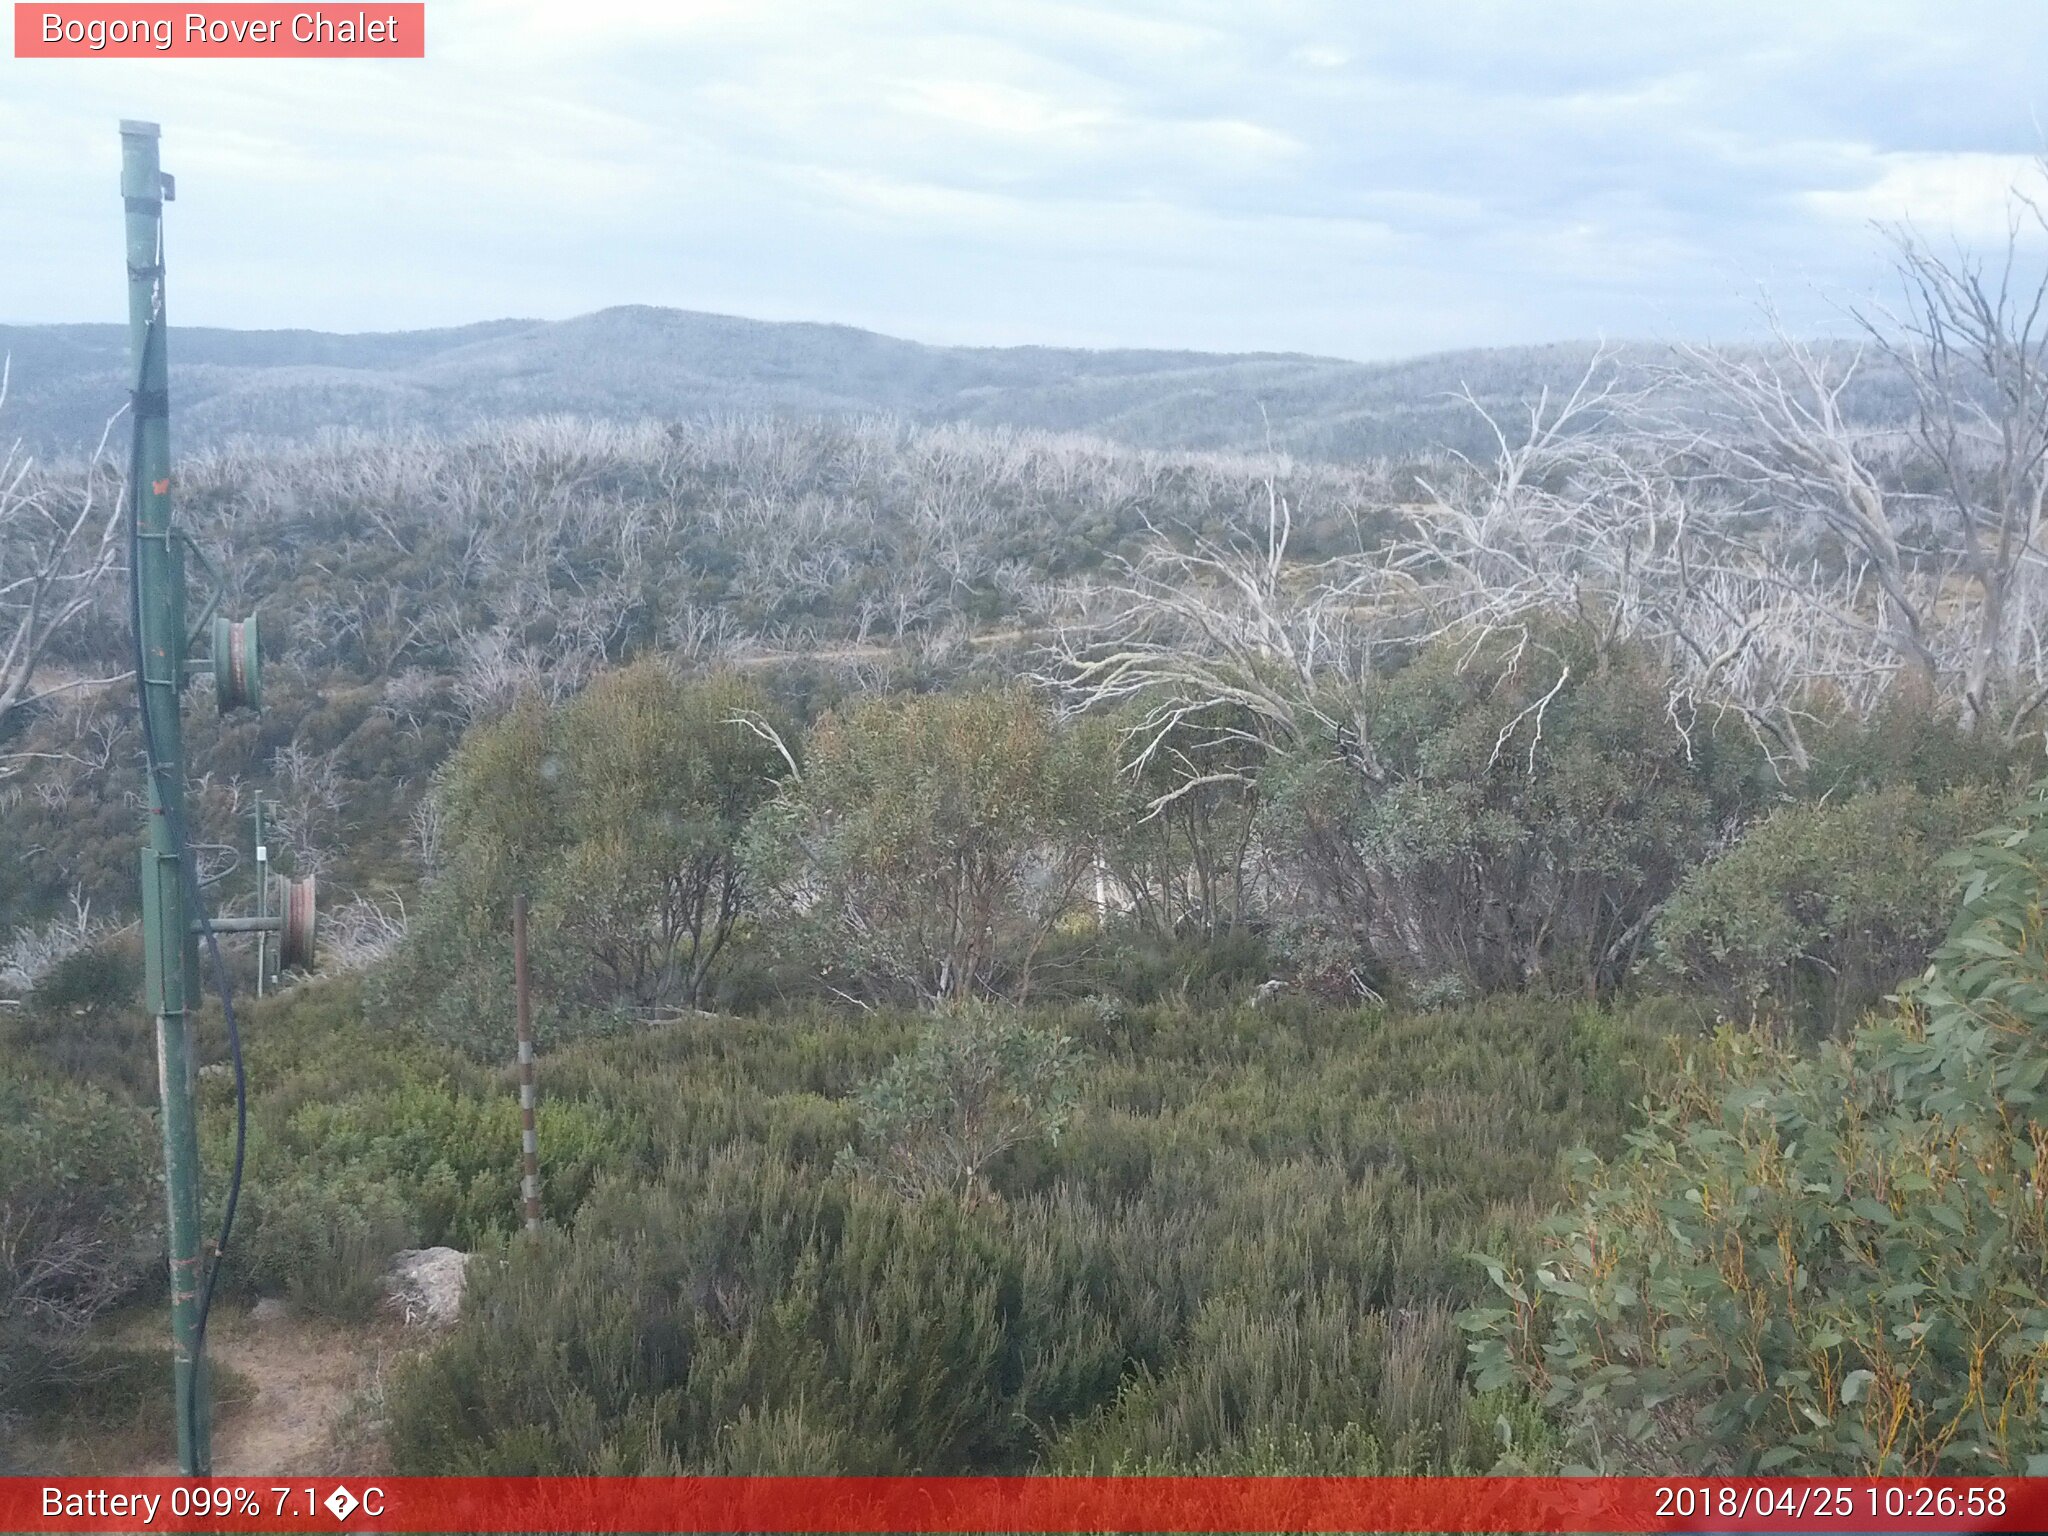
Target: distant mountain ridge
(637,362)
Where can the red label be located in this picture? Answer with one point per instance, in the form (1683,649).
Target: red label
(960,1506)
(249,29)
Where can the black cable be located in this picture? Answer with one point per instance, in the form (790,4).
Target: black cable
(170,798)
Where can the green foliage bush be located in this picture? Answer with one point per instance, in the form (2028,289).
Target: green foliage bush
(1181,840)
(1824,906)
(112,1399)
(1136,965)
(84,1022)
(322,1241)
(100,978)
(362,1143)
(1368,1392)
(935,842)
(980,1082)
(1524,807)
(80,1215)
(620,814)
(1909,744)
(655,780)
(1831,1263)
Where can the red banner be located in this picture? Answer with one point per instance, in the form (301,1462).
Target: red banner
(246,29)
(1022,1504)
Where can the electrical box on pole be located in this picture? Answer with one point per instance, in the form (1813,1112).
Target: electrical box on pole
(173,915)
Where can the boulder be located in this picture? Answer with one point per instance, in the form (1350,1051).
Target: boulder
(424,1286)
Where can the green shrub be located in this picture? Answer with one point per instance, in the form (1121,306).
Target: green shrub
(1829,1264)
(1527,804)
(80,1215)
(1824,908)
(1134,963)
(620,814)
(980,1082)
(84,1022)
(119,1395)
(1911,744)
(322,1243)
(1181,837)
(363,1142)
(108,1385)
(457,1153)
(1295,1387)
(100,978)
(656,778)
(676,1308)
(935,843)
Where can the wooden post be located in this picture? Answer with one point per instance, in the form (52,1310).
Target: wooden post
(529,1130)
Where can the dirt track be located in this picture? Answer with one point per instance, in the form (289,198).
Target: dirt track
(307,1376)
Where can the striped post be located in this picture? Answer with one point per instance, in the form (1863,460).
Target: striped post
(529,1130)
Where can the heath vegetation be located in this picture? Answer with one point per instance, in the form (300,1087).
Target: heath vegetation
(1055,954)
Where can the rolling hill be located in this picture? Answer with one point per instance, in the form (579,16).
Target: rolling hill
(639,362)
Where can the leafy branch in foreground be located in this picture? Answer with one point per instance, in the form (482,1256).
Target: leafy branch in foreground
(1827,1265)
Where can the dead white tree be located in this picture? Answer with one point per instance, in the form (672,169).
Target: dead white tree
(59,537)
(1594,512)
(308,802)
(360,933)
(425,829)
(1938,525)
(1770,425)
(1972,340)
(32,952)
(1206,634)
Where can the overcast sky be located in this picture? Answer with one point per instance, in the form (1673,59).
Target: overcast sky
(1358,179)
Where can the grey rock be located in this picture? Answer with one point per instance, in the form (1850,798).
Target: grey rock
(425,1286)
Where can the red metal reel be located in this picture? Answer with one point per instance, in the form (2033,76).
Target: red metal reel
(295,944)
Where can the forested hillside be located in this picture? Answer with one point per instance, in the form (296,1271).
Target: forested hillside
(639,363)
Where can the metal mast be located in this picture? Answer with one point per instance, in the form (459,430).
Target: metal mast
(172,915)
(171,957)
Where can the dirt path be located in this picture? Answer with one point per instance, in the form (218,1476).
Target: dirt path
(308,1379)
(293,1397)
(868,652)
(836,653)
(308,1376)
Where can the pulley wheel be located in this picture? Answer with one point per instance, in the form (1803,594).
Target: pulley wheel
(237,665)
(295,939)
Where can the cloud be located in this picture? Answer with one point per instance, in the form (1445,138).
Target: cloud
(1320,56)
(1968,195)
(1305,175)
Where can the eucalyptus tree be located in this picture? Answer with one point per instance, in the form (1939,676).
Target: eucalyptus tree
(932,844)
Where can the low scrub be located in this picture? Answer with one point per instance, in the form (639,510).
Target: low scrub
(363,1142)
(1241,1251)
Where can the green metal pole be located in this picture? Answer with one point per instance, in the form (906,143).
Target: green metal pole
(170,952)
